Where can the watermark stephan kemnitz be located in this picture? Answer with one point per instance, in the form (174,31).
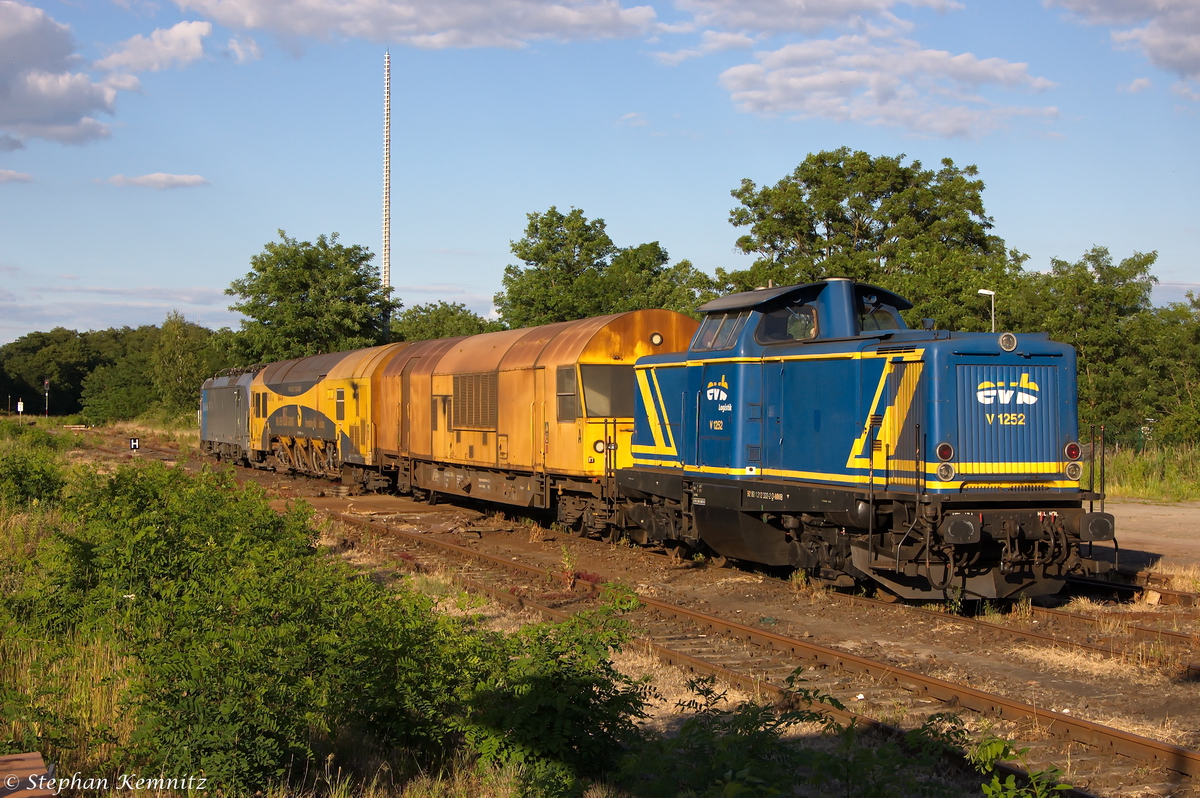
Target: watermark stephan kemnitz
(125,781)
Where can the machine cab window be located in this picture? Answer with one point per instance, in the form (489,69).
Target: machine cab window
(719,331)
(787,324)
(874,317)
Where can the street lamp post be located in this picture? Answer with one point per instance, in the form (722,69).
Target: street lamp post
(992,294)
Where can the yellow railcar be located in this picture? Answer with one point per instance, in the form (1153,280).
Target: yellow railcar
(536,417)
(314,414)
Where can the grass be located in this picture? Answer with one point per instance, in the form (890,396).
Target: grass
(1159,473)
(1181,577)
(74,679)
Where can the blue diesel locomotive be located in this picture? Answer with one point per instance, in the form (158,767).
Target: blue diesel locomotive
(808,426)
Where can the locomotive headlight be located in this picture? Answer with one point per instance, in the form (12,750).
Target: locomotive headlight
(1072,451)
(945,472)
(1008,342)
(598,447)
(656,338)
(1074,471)
(945,452)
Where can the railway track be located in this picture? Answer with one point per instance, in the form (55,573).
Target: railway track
(1107,636)
(1111,761)
(1151,583)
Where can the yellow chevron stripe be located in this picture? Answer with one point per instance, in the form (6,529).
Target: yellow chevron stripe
(665,415)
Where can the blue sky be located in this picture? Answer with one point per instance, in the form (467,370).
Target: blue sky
(148,149)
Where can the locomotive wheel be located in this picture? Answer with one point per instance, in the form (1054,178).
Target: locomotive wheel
(582,527)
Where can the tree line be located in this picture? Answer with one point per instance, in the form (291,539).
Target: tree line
(923,233)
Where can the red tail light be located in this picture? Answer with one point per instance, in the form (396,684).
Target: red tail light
(945,452)
(1072,451)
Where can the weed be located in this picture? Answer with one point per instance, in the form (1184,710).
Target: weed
(537,533)
(991,612)
(466,600)
(991,749)
(1085,605)
(621,598)
(954,600)
(1022,610)
(567,565)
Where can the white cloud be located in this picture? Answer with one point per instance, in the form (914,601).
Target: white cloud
(244,49)
(1185,91)
(894,83)
(159,180)
(1137,86)
(198,295)
(711,41)
(166,47)
(632,119)
(9,176)
(807,16)
(448,23)
(1167,31)
(42,97)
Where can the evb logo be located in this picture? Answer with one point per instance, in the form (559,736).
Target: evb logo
(718,391)
(1023,392)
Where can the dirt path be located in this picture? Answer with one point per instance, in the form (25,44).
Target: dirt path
(1149,533)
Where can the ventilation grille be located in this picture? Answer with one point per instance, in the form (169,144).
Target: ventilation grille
(975,487)
(475,401)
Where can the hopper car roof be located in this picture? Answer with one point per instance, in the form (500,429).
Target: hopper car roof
(616,338)
(305,372)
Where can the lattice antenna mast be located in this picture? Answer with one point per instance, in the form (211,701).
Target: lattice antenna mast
(386,262)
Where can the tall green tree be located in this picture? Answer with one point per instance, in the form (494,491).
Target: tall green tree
(1096,305)
(122,388)
(306,298)
(178,363)
(1165,371)
(573,270)
(65,357)
(440,320)
(842,213)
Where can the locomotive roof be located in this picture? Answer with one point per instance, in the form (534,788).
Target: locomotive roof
(761,296)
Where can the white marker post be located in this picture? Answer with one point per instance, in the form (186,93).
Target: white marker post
(20,408)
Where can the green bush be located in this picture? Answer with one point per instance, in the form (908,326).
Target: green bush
(557,706)
(254,652)
(29,476)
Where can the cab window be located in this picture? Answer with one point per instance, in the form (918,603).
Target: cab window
(608,390)
(786,324)
(708,331)
(872,318)
(720,331)
(568,402)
